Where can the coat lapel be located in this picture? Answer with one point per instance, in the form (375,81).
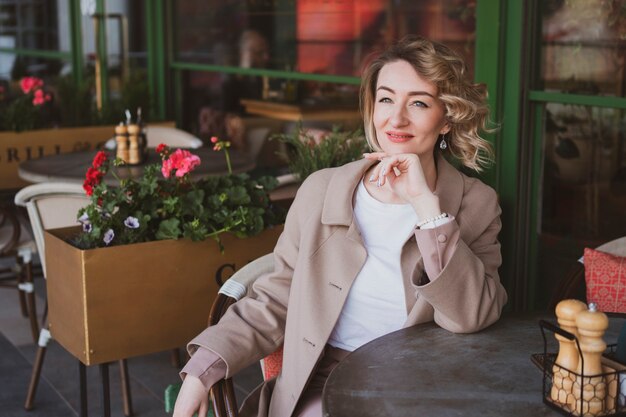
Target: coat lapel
(346,244)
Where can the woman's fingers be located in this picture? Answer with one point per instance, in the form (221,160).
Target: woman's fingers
(375,155)
(390,166)
(191,398)
(204,408)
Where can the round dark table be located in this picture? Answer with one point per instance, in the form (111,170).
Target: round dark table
(71,167)
(425,370)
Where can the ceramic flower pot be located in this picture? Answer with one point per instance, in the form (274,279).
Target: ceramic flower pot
(121,301)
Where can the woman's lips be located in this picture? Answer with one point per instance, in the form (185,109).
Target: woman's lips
(399,137)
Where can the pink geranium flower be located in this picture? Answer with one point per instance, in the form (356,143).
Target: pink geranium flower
(181,161)
(28,84)
(39,98)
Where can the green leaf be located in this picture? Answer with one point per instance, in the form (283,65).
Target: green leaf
(238,195)
(168,229)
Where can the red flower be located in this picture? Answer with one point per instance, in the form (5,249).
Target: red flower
(182,161)
(99,159)
(39,99)
(92,179)
(161,148)
(28,84)
(214,139)
(88,188)
(94,175)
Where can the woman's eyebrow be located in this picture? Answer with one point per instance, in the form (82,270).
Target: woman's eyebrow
(410,93)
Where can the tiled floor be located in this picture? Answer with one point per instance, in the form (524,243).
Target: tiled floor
(57,394)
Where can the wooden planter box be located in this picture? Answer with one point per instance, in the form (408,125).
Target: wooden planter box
(111,303)
(34,144)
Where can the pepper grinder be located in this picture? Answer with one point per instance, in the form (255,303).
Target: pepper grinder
(568,357)
(591,325)
(121,138)
(133,141)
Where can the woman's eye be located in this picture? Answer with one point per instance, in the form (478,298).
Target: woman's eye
(419,104)
(384,100)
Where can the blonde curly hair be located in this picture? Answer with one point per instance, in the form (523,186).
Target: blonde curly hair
(467,111)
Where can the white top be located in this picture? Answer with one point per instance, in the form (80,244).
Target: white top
(376,303)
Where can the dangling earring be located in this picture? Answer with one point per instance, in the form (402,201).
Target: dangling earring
(443,145)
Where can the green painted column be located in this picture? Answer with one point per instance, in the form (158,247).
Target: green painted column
(510,138)
(76,41)
(487,70)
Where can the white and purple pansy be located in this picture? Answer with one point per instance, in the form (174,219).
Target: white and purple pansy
(108,236)
(131,222)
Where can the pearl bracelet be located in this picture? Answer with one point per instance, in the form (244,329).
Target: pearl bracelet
(432,219)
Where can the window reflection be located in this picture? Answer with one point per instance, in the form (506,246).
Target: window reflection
(583,196)
(583,46)
(209,102)
(35,24)
(325,37)
(316,36)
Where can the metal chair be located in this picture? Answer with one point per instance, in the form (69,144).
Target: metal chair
(573,283)
(170,136)
(18,247)
(49,206)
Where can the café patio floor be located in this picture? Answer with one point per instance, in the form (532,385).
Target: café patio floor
(58,391)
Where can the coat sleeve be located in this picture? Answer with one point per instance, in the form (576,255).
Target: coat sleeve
(467,295)
(254,327)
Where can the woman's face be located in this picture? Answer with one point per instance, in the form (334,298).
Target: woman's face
(408,116)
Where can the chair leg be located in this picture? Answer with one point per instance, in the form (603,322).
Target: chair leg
(82,378)
(30,300)
(21,295)
(44,338)
(106,394)
(128,404)
(175,358)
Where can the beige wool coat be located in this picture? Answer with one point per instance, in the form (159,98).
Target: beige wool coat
(319,255)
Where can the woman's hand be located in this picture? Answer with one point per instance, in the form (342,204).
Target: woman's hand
(406,178)
(193,396)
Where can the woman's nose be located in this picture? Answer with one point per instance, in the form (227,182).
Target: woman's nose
(398,116)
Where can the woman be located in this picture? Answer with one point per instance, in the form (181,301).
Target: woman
(398,238)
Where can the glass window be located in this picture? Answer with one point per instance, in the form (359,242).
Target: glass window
(211,99)
(14,67)
(583,196)
(313,36)
(583,45)
(35,24)
(52,102)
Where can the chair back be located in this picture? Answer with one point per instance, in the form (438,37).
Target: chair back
(615,247)
(50,206)
(10,231)
(572,284)
(172,137)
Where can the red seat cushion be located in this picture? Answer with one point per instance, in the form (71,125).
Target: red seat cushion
(605,276)
(272,364)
